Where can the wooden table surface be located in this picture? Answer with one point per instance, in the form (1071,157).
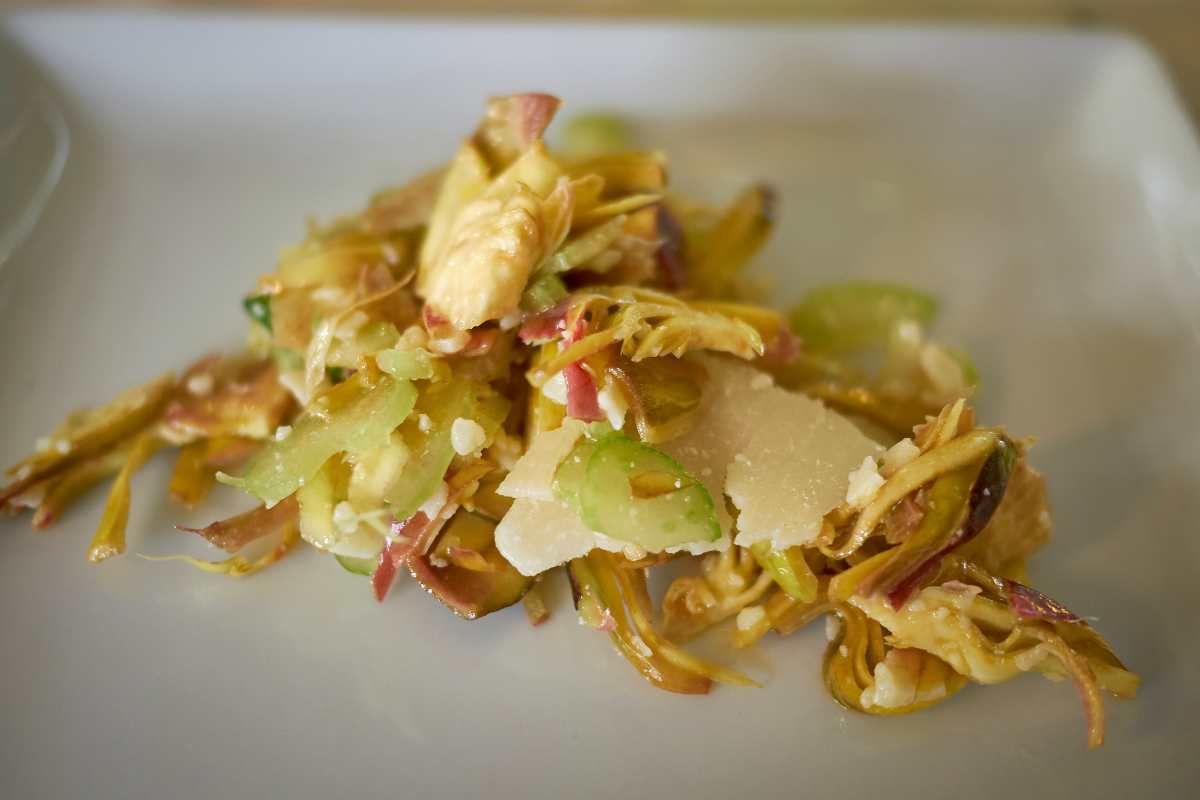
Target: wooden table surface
(1171,27)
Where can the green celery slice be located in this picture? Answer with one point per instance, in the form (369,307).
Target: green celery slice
(431,449)
(857,314)
(789,569)
(356,415)
(635,493)
(407,364)
(359,566)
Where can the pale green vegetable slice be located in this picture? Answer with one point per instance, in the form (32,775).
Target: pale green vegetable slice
(357,414)
(635,493)
(596,134)
(789,569)
(431,449)
(857,314)
(359,566)
(406,364)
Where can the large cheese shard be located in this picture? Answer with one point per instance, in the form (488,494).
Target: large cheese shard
(783,458)
(536,535)
(790,475)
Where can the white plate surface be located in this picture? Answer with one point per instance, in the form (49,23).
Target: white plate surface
(1045,184)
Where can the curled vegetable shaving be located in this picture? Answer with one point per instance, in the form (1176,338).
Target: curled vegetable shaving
(604,592)
(864,674)
(647,324)
(968,619)
(1020,525)
(68,485)
(789,569)
(86,433)
(733,241)
(466,572)
(236,532)
(198,462)
(600,607)
(727,583)
(784,614)
(239,566)
(967,449)
(664,394)
(218,397)
(960,504)
(109,539)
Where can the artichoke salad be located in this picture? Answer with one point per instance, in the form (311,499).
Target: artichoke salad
(532,363)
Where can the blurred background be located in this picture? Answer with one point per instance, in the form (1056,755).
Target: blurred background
(1171,27)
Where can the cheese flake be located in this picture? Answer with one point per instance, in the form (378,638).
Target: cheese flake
(533,475)
(783,458)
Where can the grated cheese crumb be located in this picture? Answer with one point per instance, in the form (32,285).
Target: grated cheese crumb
(895,682)
(505,450)
(633,552)
(466,436)
(331,295)
(613,404)
(897,456)
(344,518)
(62,447)
(832,627)
(200,385)
(283,432)
(424,423)
(451,344)
(555,388)
(864,484)
(749,617)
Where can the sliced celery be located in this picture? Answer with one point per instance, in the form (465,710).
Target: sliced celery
(857,314)
(357,414)
(635,493)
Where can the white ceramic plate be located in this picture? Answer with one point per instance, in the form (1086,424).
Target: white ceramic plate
(1045,184)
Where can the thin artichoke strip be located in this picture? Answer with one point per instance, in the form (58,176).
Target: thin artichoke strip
(632,584)
(605,611)
(109,539)
(971,447)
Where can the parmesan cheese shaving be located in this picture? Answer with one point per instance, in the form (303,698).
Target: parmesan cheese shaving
(536,535)
(783,458)
(532,476)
